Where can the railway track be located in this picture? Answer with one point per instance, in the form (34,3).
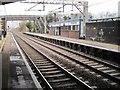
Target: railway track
(110,72)
(50,75)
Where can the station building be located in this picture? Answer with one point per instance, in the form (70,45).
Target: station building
(72,28)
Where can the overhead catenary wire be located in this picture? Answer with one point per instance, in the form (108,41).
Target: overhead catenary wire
(31,8)
(100,3)
(93,4)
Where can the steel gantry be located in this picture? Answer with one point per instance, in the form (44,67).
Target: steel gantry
(76,3)
(67,2)
(6,18)
(2,2)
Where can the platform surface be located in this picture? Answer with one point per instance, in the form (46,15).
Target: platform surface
(106,46)
(15,74)
(2,41)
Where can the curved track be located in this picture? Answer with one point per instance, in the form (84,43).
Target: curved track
(103,75)
(49,73)
(109,71)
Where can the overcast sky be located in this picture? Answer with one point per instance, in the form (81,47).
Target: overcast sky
(95,7)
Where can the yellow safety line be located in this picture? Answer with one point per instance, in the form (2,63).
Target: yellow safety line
(3,43)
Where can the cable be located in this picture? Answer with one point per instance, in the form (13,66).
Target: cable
(32,7)
(99,3)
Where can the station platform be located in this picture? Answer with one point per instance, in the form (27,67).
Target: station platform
(100,45)
(2,42)
(16,73)
(99,50)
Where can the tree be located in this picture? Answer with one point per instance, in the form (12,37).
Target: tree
(50,18)
(22,26)
(29,25)
(107,15)
(65,17)
(90,15)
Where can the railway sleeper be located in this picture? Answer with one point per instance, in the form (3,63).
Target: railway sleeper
(108,71)
(89,62)
(67,85)
(54,76)
(115,74)
(96,66)
(113,83)
(83,60)
(48,69)
(49,66)
(59,80)
(51,72)
(43,64)
(103,68)
(40,60)
(118,77)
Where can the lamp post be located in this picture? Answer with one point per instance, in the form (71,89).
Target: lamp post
(85,16)
(79,28)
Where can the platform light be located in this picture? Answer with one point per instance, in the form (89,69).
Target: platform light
(94,28)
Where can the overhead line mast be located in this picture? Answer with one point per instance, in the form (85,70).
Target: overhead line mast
(76,3)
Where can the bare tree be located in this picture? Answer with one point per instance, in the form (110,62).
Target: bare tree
(22,27)
(107,15)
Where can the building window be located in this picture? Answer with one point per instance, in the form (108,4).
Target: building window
(73,27)
(69,27)
(77,28)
